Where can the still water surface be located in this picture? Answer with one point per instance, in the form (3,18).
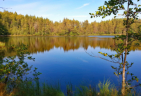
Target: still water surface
(67,59)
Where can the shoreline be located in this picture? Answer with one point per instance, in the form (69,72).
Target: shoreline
(62,35)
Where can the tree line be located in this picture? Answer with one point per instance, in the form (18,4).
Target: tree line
(17,24)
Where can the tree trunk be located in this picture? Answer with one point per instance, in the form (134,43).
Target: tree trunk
(123,75)
(126,43)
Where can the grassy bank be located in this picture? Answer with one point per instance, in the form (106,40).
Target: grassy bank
(33,88)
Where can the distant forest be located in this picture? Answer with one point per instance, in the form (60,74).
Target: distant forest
(17,24)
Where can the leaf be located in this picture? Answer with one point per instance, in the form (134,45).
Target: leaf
(105,54)
(125,12)
(96,12)
(115,73)
(104,7)
(113,67)
(100,52)
(137,79)
(36,68)
(132,74)
(129,80)
(110,56)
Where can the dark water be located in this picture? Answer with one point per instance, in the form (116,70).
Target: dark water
(67,59)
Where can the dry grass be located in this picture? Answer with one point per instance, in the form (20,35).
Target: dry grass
(2,44)
(3,91)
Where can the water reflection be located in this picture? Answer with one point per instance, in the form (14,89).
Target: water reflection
(41,44)
(64,59)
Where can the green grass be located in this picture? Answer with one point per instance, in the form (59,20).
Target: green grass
(107,89)
(30,88)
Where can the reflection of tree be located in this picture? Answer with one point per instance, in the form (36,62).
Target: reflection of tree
(41,44)
(2,55)
(2,48)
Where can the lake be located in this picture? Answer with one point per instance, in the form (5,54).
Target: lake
(72,59)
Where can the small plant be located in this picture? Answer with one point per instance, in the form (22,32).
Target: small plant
(106,89)
(85,91)
(69,90)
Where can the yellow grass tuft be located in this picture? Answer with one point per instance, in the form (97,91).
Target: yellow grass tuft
(3,91)
(2,44)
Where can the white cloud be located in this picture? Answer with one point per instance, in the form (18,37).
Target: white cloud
(28,6)
(83,6)
(79,16)
(36,8)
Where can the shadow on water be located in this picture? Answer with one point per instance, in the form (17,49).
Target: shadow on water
(3,47)
(3,40)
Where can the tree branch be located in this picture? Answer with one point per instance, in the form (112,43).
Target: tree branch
(102,58)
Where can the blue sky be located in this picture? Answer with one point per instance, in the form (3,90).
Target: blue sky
(56,10)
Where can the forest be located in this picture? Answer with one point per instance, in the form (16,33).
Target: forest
(17,24)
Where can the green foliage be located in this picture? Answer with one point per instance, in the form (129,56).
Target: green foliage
(16,24)
(3,30)
(113,6)
(131,14)
(11,70)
